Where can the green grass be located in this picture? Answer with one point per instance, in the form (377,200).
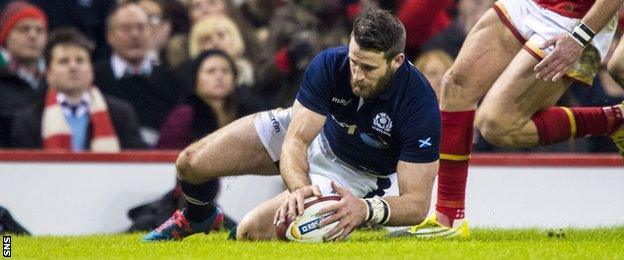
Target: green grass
(483,243)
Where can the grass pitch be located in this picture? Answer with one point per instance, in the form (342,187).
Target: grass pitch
(483,243)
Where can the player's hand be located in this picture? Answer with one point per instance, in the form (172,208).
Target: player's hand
(293,206)
(567,51)
(350,212)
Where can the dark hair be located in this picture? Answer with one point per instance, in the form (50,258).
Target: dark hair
(115,9)
(199,60)
(66,36)
(231,103)
(379,30)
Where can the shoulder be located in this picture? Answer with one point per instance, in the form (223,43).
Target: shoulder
(334,55)
(417,95)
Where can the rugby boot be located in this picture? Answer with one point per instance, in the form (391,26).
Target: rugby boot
(430,228)
(178,227)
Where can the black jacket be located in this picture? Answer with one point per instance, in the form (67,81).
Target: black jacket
(15,94)
(152,97)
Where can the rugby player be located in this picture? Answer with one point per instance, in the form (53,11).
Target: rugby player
(519,59)
(364,120)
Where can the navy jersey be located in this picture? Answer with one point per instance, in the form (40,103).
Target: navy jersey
(401,123)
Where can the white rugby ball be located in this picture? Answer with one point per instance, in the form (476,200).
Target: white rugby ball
(305,228)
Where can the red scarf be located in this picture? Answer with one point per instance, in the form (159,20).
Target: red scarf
(56,133)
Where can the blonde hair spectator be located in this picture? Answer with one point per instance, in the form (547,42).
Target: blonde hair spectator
(433,64)
(216,32)
(220,32)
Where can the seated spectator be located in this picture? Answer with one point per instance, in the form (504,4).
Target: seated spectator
(433,64)
(131,75)
(85,15)
(74,114)
(220,32)
(213,105)
(23,33)
(160,27)
(452,37)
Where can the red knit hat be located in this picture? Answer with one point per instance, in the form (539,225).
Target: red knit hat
(15,12)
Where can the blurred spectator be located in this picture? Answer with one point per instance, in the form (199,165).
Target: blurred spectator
(220,32)
(423,19)
(213,105)
(159,28)
(88,16)
(433,64)
(130,74)
(74,114)
(23,33)
(200,9)
(451,39)
(293,41)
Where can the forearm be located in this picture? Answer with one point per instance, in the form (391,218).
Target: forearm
(294,165)
(601,13)
(406,210)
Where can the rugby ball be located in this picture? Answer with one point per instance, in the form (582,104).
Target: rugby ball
(305,228)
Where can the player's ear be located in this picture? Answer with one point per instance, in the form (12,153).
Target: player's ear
(397,61)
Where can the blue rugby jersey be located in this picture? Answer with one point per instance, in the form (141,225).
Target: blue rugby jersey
(401,123)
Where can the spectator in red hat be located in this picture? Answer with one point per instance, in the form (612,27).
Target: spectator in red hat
(23,35)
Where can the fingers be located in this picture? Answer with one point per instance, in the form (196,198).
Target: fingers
(299,198)
(556,71)
(316,191)
(341,225)
(549,42)
(292,207)
(281,212)
(333,217)
(339,189)
(542,68)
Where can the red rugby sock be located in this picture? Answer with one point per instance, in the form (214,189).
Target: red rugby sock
(557,124)
(455,149)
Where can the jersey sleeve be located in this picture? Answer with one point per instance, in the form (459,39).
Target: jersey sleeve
(315,90)
(420,131)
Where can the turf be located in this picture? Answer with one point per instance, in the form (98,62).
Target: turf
(483,243)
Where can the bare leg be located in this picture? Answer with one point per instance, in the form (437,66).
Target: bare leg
(258,223)
(234,149)
(504,117)
(488,49)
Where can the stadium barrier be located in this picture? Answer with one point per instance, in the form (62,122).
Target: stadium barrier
(84,193)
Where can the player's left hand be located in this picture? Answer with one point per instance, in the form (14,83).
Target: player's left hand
(567,51)
(350,212)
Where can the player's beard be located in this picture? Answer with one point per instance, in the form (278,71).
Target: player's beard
(364,90)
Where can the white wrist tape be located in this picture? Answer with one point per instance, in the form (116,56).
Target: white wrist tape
(378,211)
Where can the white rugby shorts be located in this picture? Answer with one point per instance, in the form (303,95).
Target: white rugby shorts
(532,25)
(325,167)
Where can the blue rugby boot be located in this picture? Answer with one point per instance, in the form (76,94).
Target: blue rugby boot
(178,227)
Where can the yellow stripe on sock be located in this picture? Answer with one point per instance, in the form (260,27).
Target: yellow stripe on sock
(572,121)
(454,157)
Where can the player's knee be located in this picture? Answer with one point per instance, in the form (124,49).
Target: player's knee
(455,93)
(248,230)
(493,129)
(616,69)
(186,164)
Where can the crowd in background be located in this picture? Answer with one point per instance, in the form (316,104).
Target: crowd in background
(106,75)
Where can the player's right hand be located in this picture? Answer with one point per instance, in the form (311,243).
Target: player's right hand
(293,206)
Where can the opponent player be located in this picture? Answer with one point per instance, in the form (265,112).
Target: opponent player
(363,119)
(520,58)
